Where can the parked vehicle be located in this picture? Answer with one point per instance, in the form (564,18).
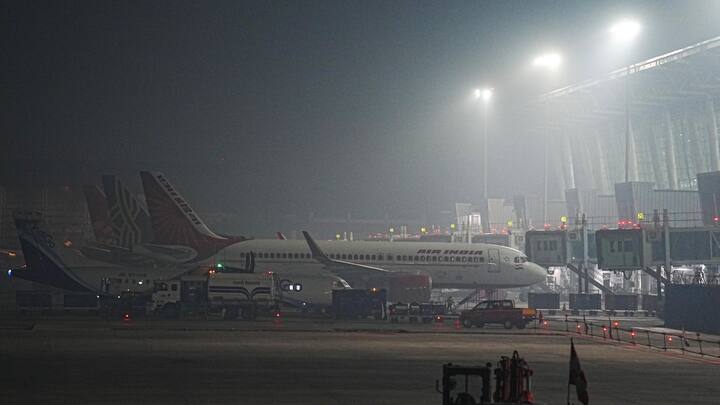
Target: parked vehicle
(224,295)
(501,312)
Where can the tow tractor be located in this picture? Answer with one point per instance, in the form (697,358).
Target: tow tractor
(513,383)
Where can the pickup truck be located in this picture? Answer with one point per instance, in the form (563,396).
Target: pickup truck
(497,311)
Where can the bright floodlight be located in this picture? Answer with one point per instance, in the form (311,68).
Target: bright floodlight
(484,94)
(625,30)
(551,61)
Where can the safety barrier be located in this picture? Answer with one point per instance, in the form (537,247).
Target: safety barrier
(613,331)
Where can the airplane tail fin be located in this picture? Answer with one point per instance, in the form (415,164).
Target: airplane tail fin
(130,221)
(44,262)
(99,218)
(174,222)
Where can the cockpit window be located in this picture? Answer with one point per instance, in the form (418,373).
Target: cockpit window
(520,259)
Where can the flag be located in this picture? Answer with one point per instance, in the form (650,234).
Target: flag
(577,376)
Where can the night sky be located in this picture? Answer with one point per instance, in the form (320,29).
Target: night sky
(301,106)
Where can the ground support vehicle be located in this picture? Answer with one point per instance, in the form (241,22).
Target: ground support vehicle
(127,305)
(217,295)
(473,384)
(501,312)
(359,304)
(425,312)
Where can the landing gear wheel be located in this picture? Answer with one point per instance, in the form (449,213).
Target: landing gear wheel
(467,323)
(508,325)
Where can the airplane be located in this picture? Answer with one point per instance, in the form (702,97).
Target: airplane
(325,264)
(122,230)
(60,265)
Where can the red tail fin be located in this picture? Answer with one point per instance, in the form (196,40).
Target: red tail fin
(98,209)
(174,222)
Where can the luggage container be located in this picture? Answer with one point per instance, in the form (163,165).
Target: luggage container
(544,300)
(585,301)
(621,302)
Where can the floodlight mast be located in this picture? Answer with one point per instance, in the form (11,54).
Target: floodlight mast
(623,33)
(485,95)
(551,61)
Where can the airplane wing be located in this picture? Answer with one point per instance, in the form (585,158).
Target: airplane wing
(339,266)
(166,253)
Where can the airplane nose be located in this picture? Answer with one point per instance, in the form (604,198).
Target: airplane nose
(537,273)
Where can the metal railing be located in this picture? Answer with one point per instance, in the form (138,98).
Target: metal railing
(612,330)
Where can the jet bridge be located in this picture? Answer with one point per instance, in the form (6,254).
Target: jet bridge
(656,247)
(574,249)
(635,249)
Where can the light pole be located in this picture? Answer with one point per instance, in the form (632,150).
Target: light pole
(550,62)
(623,33)
(485,94)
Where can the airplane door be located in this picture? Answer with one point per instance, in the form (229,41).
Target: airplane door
(494,260)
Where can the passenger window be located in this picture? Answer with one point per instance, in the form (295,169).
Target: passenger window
(398,258)
(389,257)
(272,255)
(362,257)
(417,258)
(373,257)
(355,257)
(422,258)
(464,259)
(434,258)
(308,255)
(404,258)
(344,256)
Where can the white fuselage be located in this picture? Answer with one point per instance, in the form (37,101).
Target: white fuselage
(450,265)
(106,278)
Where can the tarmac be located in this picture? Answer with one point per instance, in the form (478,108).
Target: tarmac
(295,361)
